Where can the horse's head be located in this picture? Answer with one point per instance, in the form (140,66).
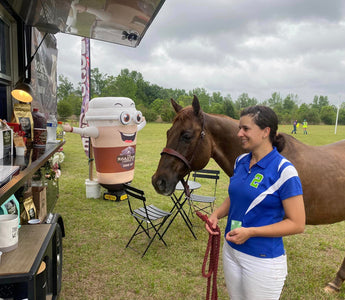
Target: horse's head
(188,148)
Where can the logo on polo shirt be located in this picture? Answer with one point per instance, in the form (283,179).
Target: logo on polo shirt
(256,180)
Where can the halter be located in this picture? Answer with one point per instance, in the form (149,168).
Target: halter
(187,162)
(178,155)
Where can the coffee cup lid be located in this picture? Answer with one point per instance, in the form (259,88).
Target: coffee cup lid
(113,108)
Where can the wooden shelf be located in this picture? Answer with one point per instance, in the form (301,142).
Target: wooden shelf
(21,266)
(30,241)
(41,156)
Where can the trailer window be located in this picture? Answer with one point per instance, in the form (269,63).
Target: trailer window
(5,70)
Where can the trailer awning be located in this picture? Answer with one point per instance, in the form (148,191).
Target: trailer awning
(122,22)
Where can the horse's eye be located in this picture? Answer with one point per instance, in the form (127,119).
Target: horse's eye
(186,136)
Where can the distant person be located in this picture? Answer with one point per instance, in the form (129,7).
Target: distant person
(305,126)
(294,130)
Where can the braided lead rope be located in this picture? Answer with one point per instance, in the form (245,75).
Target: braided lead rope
(186,186)
(212,250)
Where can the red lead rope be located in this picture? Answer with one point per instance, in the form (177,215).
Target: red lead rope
(212,249)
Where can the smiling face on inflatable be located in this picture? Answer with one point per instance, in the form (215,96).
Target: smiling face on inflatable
(117,122)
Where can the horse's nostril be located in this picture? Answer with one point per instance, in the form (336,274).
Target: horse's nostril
(158,183)
(161,184)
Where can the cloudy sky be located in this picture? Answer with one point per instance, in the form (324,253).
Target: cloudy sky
(231,46)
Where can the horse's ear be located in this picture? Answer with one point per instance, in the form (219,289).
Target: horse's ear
(196,105)
(175,105)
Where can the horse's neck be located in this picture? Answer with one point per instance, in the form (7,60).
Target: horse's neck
(225,143)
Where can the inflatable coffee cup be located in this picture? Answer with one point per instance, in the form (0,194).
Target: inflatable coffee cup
(113,125)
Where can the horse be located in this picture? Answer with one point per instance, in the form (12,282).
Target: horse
(196,136)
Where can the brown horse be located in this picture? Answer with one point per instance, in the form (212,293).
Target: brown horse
(195,137)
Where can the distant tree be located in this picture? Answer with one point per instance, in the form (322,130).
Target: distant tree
(216,98)
(244,101)
(203,96)
(126,86)
(132,84)
(319,102)
(302,112)
(157,105)
(76,103)
(65,88)
(69,99)
(328,115)
(185,100)
(289,104)
(149,114)
(173,93)
(167,114)
(110,89)
(289,109)
(98,83)
(64,109)
(152,92)
(217,108)
(229,109)
(276,102)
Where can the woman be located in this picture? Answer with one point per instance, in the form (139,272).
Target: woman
(265,203)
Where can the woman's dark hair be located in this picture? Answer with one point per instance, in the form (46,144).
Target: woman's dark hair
(263,116)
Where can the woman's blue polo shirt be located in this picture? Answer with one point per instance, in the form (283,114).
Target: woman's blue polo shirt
(256,197)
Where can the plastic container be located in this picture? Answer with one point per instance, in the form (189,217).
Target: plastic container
(51,129)
(40,128)
(59,132)
(93,189)
(39,119)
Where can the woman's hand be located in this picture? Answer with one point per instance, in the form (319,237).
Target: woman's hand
(214,221)
(239,235)
(66,127)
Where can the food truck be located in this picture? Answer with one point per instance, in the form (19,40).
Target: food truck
(31,235)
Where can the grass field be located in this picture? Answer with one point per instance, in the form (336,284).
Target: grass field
(97,266)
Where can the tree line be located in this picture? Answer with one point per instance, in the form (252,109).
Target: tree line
(154,101)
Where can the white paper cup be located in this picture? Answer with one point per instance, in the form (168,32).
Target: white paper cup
(8,232)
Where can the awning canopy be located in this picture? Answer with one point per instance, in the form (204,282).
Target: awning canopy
(122,22)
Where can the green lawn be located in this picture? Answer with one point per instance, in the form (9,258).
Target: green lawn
(97,266)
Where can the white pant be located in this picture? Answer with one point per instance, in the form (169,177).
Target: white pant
(251,278)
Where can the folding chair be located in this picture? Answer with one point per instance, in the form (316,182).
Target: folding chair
(206,201)
(148,217)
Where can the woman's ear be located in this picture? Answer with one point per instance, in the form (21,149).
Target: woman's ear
(267,132)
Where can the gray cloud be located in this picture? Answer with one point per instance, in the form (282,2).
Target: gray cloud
(257,47)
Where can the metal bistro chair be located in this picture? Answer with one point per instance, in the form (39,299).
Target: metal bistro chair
(206,201)
(148,217)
